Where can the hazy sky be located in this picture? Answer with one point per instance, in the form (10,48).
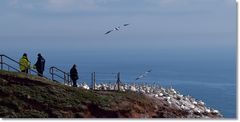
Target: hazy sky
(82,23)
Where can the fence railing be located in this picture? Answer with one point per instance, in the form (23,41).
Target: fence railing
(97,77)
(10,66)
(56,72)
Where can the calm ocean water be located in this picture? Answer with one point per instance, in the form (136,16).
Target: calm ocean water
(206,75)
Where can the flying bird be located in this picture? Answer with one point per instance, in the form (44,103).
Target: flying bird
(116,29)
(143,75)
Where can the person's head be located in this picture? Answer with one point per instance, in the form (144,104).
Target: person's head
(74,65)
(39,55)
(25,54)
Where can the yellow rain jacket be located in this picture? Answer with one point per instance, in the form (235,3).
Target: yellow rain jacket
(24,63)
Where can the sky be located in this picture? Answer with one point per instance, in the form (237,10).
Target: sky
(81,24)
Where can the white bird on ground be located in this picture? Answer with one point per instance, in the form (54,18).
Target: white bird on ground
(215,111)
(207,110)
(201,103)
(160,94)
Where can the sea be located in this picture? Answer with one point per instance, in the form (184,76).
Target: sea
(206,74)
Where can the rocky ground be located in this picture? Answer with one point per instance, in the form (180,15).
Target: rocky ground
(25,96)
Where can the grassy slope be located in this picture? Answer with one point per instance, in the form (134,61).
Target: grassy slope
(32,96)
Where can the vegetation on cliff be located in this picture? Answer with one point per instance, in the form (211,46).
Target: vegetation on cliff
(28,96)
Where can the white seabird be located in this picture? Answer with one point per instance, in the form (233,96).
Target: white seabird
(116,29)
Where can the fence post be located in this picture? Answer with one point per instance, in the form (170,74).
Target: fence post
(118,81)
(64,78)
(94,80)
(52,74)
(1,62)
(69,81)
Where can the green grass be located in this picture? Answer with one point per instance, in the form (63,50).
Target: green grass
(50,99)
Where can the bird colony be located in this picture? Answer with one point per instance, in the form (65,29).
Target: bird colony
(172,97)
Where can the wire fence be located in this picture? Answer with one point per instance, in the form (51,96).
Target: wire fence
(92,79)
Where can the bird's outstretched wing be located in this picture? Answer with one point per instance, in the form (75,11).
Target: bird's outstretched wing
(108,32)
(143,75)
(117,28)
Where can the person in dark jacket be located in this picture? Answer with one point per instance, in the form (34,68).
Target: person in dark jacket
(40,64)
(74,75)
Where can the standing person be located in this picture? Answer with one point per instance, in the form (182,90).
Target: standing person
(24,63)
(74,75)
(40,64)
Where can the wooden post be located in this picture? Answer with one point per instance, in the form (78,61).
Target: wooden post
(118,81)
(93,80)
(1,63)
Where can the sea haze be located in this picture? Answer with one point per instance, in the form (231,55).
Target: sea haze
(206,74)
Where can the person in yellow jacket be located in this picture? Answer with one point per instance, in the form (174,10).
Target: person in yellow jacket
(24,63)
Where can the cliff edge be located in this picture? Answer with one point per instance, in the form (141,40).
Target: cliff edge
(27,96)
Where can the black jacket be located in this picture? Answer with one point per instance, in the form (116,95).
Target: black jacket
(74,74)
(40,64)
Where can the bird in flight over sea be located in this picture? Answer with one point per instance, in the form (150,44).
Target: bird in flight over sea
(143,75)
(116,29)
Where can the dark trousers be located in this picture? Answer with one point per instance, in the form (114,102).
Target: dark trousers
(40,73)
(74,83)
(25,71)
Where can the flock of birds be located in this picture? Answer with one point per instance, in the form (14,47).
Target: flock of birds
(170,96)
